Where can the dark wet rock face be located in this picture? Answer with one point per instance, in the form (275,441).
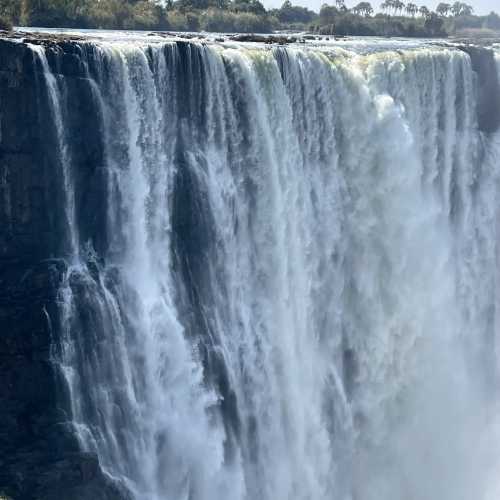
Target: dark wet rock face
(39,454)
(488,85)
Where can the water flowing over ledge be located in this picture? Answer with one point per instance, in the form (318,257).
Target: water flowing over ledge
(278,265)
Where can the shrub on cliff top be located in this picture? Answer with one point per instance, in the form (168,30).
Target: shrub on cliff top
(5,25)
(218,20)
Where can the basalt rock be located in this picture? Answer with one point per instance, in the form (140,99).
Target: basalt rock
(40,457)
(279,39)
(488,87)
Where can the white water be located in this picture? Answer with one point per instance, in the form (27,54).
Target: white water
(315,318)
(54,95)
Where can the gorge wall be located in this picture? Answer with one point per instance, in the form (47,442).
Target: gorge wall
(40,455)
(241,272)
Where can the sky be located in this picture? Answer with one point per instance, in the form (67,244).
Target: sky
(480,6)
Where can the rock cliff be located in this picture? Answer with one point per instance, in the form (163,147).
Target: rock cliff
(39,454)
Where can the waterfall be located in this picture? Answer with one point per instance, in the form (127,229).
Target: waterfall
(288,289)
(54,96)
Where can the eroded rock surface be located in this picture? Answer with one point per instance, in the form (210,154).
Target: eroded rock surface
(39,454)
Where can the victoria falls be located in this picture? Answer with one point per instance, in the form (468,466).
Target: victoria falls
(248,271)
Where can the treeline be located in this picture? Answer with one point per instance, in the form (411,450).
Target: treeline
(404,19)
(249,16)
(417,22)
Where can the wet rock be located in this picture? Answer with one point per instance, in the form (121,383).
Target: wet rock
(269,39)
(488,87)
(40,457)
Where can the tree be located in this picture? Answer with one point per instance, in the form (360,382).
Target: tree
(363,8)
(341,5)
(443,9)
(492,21)
(411,9)
(467,10)
(253,6)
(461,9)
(387,6)
(10,9)
(51,13)
(220,4)
(5,24)
(398,6)
(289,13)
(424,11)
(434,24)
(368,9)
(327,14)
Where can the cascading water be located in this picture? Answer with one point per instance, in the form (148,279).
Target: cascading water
(293,291)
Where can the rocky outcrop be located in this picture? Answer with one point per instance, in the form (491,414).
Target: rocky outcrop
(269,39)
(488,87)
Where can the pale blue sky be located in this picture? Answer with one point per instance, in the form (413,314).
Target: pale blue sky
(480,6)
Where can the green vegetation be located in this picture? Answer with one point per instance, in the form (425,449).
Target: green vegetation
(398,20)
(5,25)
(467,24)
(250,16)
(408,20)
(7,15)
(183,15)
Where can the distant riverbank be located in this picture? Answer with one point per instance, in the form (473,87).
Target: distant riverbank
(397,19)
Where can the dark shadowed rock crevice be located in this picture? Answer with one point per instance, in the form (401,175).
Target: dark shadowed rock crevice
(488,87)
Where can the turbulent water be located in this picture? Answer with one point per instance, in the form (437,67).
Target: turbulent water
(293,291)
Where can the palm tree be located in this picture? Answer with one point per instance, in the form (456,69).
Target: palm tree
(443,9)
(340,5)
(461,9)
(411,9)
(389,5)
(368,10)
(363,8)
(467,10)
(424,11)
(398,6)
